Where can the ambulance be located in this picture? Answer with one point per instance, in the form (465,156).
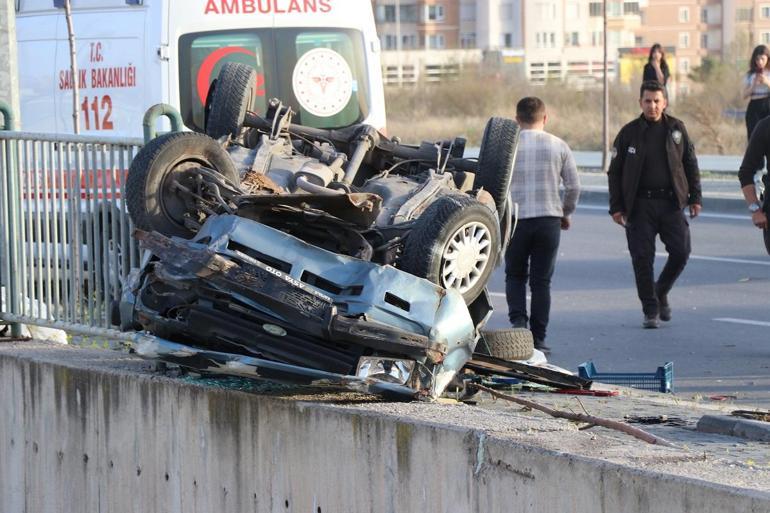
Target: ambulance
(321,57)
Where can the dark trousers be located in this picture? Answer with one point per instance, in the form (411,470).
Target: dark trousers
(755,112)
(649,218)
(531,256)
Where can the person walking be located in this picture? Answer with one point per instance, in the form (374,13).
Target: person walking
(543,161)
(656,67)
(757,151)
(653,175)
(756,88)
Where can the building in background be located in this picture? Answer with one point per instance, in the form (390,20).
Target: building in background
(562,40)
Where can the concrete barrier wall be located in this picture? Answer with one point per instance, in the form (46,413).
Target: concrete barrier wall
(78,440)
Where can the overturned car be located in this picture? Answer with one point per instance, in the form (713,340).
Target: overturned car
(316,256)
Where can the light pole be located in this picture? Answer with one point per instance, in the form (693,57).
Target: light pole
(398,42)
(606,102)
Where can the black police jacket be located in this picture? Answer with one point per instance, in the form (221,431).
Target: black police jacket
(628,158)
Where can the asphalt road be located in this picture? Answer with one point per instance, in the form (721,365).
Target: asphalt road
(719,338)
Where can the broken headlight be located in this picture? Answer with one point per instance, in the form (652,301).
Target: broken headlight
(390,370)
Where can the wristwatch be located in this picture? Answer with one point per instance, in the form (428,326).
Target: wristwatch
(755,207)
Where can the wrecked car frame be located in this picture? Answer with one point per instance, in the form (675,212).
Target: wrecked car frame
(359,325)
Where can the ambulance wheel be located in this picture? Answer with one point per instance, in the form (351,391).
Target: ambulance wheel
(496,158)
(163,174)
(454,244)
(232,96)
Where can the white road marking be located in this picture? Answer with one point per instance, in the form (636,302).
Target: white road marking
(741,217)
(721,259)
(742,321)
(497,294)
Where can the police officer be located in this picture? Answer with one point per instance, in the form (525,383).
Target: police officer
(757,151)
(653,175)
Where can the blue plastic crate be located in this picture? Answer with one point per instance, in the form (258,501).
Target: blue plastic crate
(661,380)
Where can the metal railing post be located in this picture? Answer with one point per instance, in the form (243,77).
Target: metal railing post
(9,220)
(151,118)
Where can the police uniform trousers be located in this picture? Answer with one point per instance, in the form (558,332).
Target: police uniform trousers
(653,217)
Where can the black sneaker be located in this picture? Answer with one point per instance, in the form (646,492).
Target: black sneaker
(540,346)
(650,322)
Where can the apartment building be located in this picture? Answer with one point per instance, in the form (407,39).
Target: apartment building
(540,39)
(697,29)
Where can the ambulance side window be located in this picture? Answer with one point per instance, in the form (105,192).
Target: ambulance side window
(202,57)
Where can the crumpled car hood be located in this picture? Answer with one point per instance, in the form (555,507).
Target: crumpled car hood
(293,291)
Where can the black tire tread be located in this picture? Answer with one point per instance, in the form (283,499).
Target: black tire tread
(230,100)
(141,166)
(421,250)
(510,344)
(496,158)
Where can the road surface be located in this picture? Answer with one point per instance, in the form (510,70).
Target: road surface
(719,338)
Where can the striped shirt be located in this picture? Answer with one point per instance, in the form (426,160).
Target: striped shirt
(542,162)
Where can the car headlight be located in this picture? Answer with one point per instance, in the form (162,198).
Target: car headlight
(390,370)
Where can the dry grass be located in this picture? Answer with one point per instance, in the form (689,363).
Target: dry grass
(461,108)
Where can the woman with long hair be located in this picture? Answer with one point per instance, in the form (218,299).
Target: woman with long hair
(756,87)
(656,68)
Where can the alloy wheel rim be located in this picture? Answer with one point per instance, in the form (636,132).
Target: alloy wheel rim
(466,257)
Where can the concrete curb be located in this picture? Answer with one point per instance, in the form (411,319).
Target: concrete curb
(93,431)
(735,426)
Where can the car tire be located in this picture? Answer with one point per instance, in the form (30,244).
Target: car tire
(151,199)
(510,344)
(232,97)
(445,232)
(496,159)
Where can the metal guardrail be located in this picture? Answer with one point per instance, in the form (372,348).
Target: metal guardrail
(65,239)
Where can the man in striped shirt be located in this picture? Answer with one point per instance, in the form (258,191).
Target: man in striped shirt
(543,161)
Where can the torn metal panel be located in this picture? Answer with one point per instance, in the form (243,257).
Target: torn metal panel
(218,363)
(489,365)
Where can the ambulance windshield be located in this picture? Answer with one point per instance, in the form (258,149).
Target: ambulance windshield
(320,72)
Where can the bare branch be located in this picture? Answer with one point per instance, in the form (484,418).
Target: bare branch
(579,417)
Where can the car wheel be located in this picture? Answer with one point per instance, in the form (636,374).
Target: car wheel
(510,344)
(496,158)
(153,197)
(454,244)
(232,97)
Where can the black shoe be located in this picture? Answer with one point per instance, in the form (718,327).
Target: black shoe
(540,346)
(650,322)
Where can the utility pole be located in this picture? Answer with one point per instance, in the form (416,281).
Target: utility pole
(398,43)
(73,67)
(9,77)
(606,102)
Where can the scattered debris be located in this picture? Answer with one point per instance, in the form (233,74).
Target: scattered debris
(763,416)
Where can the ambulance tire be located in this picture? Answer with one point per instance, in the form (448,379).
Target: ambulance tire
(496,158)
(232,97)
(152,199)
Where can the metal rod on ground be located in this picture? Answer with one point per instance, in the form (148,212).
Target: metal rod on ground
(580,417)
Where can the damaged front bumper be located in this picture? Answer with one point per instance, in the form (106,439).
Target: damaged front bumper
(242,298)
